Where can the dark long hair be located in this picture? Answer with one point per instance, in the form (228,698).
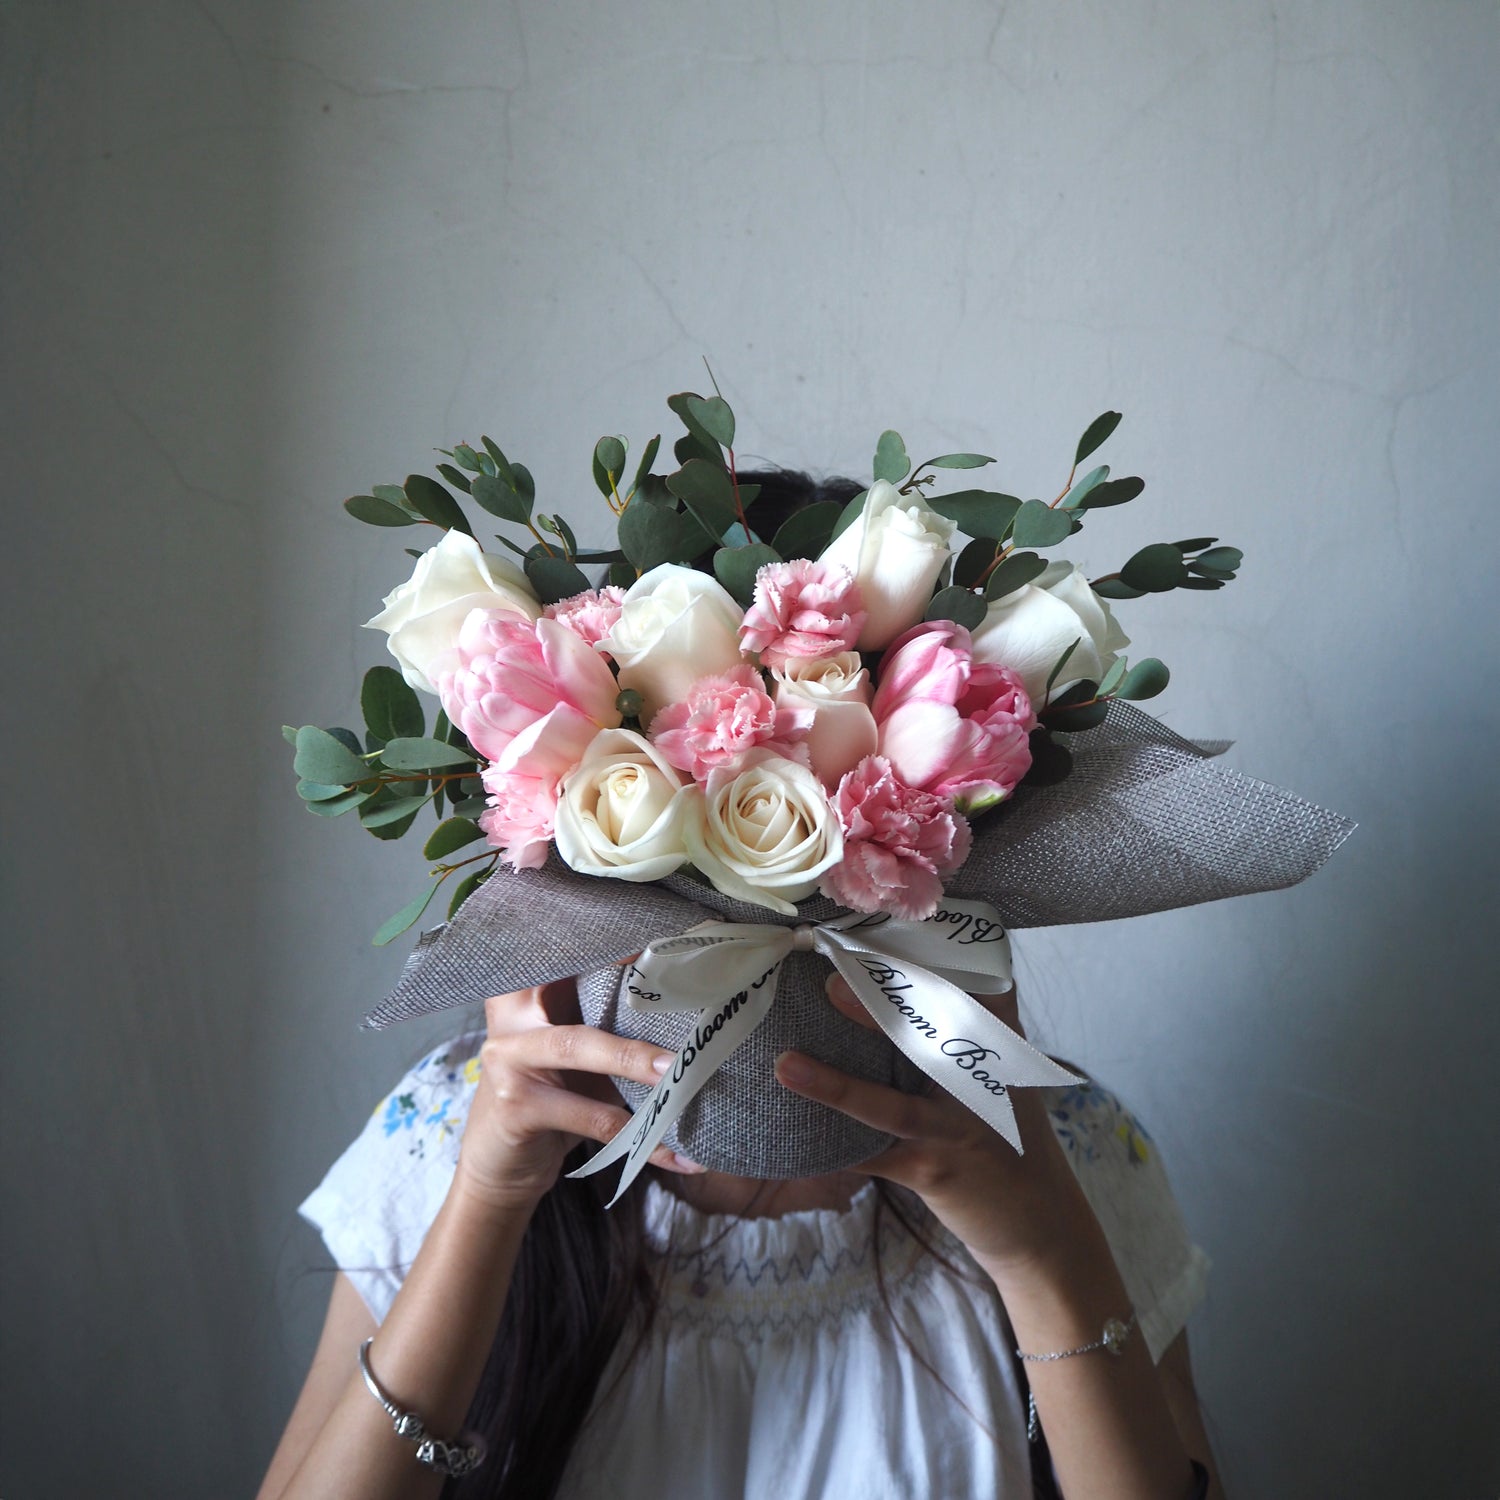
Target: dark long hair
(586,1278)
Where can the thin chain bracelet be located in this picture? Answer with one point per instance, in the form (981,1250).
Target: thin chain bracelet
(453,1459)
(1114,1338)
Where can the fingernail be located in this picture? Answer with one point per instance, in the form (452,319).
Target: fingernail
(662,1062)
(793,1068)
(686,1164)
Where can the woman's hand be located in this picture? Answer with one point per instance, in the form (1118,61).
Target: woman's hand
(544,1086)
(1008,1209)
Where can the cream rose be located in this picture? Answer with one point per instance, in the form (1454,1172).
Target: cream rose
(1028,630)
(764,834)
(622,810)
(836,690)
(676,625)
(895,548)
(423,616)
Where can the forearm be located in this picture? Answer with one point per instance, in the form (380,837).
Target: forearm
(1109,1428)
(428,1355)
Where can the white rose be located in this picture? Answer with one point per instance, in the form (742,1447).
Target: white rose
(895,547)
(676,625)
(424,615)
(1028,630)
(836,690)
(764,834)
(622,810)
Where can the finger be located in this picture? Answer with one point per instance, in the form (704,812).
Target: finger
(547,1107)
(847,1003)
(586,1049)
(903,1115)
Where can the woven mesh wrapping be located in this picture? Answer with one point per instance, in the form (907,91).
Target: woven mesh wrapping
(1146,822)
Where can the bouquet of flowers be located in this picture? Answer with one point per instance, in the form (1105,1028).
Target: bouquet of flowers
(871,734)
(825,710)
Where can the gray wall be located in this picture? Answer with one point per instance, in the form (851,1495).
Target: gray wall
(258,257)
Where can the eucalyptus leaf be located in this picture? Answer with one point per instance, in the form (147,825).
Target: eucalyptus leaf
(972,563)
(1057,667)
(648,458)
(736,567)
(465,455)
(609,465)
(466,888)
(289,733)
(891,462)
(1115,588)
(622,575)
(849,515)
(651,535)
(392,494)
(707,492)
(1155,569)
(1074,720)
(428,498)
(713,415)
(555,578)
(1226,559)
(322,758)
(456,477)
(1111,679)
(1098,430)
(347,738)
(377,512)
(1195,543)
(1037,524)
(1112,492)
(394,926)
(500,499)
(1079,494)
(525,484)
(469,807)
(1015,572)
(451,834)
(336,807)
(501,462)
(416,753)
(704,442)
(389,819)
(391,708)
(1144,680)
(962,606)
(956,461)
(1201,583)
(806,532)
(320,791)
(978,513)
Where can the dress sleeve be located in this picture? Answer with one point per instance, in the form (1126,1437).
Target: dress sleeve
(374,1207)
(1121,1173)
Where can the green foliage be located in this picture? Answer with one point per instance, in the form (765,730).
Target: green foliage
(805,533)
(609,465)
(962,606)
(978,513)
(1155,569)
(1095,434)
(1112,492)
(501,498)
(701,442)
(414,753)
(1057,667)
(428,498)
(891,462)
(707,493)
(449,835)
(1079,494)
(713,416)
(554,578)
(1037,524)
(390,707)
(377,512)
(394,926)
(653,534)
(849,515)
(1144,680)
(325,759)
(956,461)
(466,888)
(736,568)
(648,458)
(973,561)
(1015,572)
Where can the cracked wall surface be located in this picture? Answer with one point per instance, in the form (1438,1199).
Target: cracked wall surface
(258,257)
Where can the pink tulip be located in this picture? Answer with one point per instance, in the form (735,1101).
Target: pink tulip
(802,610)
(523,784)
(721,719)
(948,726)
(512,671)
(898,843)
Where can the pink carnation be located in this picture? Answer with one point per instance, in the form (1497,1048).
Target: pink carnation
(898,843)
(523,785)
(513,671)
(947,726)
(802,610)
(721,719)
(590,615)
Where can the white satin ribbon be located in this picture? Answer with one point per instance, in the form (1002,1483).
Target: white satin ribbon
(914,978)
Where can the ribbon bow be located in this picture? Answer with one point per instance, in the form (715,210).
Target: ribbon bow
(914,978)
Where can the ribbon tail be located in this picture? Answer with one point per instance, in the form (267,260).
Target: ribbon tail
(716,1033)
(947,1033)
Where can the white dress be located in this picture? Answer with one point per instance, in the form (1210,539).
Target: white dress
(772,1369)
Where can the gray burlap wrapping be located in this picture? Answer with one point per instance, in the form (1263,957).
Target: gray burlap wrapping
(1146,822)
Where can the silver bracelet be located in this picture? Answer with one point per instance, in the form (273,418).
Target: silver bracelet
(453,1459)
(1114,1338)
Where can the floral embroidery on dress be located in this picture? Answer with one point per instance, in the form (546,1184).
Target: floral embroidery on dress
(1085,1114)
(431,1104)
